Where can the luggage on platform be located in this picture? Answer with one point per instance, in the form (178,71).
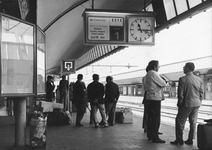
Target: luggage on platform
(204,136)
(59,118)
(124,115)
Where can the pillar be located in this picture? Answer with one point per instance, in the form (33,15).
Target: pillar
(20,121)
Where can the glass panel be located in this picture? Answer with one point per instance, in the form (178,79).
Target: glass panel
(16,57)
(181,6)
(169,8)
(193,3)
(40,62)
(149,8)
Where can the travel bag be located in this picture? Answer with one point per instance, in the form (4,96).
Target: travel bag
(124,115)
(204,136)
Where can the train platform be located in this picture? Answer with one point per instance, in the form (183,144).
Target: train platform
(117,137)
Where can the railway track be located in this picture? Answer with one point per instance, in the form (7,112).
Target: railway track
(168,113)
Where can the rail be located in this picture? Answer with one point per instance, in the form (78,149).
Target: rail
(168,109)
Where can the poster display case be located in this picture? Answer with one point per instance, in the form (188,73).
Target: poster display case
(18,57)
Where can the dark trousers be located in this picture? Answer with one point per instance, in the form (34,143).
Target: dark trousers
(145,117)
(80,112)
(153,124)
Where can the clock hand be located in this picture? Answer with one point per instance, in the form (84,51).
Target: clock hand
(139,28)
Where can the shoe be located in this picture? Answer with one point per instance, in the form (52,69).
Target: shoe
(111,124)
(176,142)
(96,126)
(105,126)
(101,123)
(160,133)
(158,141)
(189,142)
(79,125)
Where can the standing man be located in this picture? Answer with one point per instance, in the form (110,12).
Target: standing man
(49,89)
(64,87)
(153,85)
(190,94)
(95,95)
(145,114)
(111,98)
(79,99)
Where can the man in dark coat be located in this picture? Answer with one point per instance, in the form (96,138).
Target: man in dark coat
(95,94)
(64,88)
(79,99)
(111,98)
(49,89)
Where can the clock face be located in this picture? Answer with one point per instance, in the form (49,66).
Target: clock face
(140,29)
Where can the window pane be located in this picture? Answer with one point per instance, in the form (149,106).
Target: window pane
(40,63)
(169,7)
(16,57)
(193,3)
(181,6)
(149,8)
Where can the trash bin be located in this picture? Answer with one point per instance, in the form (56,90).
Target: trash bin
(38,133)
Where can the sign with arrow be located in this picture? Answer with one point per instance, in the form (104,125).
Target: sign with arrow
(67,66)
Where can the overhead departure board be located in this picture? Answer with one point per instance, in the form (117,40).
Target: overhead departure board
(118,28)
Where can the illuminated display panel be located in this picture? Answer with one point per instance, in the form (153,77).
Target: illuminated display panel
(105,27)
(17,57)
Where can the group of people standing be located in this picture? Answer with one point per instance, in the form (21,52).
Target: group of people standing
(104,99)
(190,94)
(100,97)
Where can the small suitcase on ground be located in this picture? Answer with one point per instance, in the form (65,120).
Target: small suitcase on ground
(204,136)
(124,115)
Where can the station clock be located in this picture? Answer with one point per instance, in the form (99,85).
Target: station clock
(140,29)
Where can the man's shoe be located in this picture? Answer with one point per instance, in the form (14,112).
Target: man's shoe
(189,142)
(176,142)
(79,125)
(96,126)
(105,126)
(101,123)
(158,141)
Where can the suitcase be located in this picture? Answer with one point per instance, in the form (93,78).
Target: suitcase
(59,118)
(124,115)
(204,136)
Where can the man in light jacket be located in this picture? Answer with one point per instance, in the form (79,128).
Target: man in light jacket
(153,85)
(190,94)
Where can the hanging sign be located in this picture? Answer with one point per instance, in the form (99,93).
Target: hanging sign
(119,28)
(67,66)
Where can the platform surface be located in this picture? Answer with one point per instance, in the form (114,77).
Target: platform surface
(117,137)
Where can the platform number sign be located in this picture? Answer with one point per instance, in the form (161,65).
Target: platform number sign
(116,29)
(67,66)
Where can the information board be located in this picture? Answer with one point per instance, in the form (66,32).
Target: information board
(118,28)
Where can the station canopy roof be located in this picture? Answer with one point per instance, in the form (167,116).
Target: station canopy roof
(62,22)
